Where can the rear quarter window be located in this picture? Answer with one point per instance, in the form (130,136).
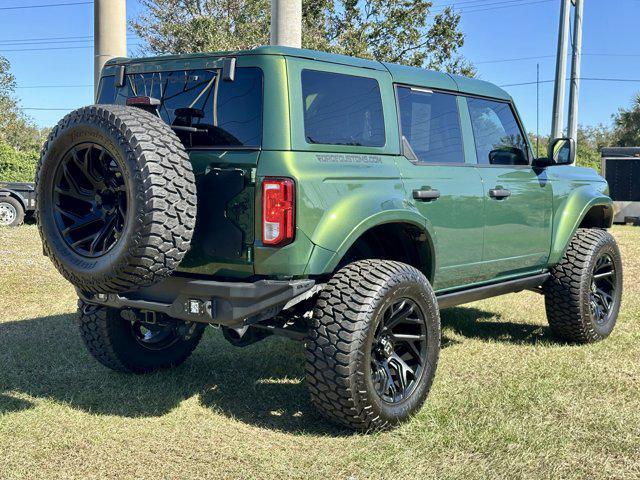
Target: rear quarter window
(342,109)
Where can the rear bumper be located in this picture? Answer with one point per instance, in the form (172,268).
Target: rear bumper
(232,304)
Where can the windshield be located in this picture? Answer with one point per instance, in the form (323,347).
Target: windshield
(204,110)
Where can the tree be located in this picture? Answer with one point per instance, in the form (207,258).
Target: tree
(398,31)
(20,139)
(627,125)
(590,141)
(16,129)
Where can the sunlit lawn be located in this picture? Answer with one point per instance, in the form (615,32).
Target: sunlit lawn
(509,400)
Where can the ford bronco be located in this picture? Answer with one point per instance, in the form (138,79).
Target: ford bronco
(336,200)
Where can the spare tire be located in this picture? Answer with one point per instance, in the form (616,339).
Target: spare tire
(116,198)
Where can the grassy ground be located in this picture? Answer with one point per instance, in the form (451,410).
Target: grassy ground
(509,400)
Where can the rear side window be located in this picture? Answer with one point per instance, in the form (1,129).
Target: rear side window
(342,109)
(204,110)
(499,140)
(430,124)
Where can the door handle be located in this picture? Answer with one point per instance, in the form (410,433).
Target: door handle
(426,195)
(499,193)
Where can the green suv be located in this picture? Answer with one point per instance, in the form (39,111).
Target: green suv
(335,200)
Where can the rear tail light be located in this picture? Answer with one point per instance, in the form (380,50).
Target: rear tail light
(278,220)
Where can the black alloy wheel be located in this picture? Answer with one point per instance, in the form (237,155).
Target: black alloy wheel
(90,200)
(373,344)
(603,289)
(399,351)
(155,336)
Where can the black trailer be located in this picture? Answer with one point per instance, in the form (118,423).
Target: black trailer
(17,200)
(621,168)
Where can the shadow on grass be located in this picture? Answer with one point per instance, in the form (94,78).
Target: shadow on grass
(471,322)
(262,384)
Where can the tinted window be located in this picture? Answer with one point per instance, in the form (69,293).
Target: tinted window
(430,123)
(499,140)
(342,109)
(204,110)
(107,91)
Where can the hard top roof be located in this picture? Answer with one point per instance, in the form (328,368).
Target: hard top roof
(400,73)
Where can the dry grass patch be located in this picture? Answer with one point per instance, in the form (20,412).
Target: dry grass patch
(509,400)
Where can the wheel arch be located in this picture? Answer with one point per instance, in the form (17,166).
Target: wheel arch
(391,235)
(585,207)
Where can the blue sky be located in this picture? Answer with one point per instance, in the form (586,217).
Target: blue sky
(494,29)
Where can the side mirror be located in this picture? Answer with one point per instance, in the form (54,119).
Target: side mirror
(563,151)
(507,156)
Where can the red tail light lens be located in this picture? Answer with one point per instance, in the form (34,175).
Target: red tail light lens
(278,202)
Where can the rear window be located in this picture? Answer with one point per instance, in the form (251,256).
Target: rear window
(205,111)
(342,109)
(429,122)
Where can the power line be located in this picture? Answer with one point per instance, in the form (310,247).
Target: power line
(21,43)
(48,109)
(499,5)
(55,48)
(21,7)
(517,59)
(56,86)
(586,79)
(504,60)
(492,6)
(37,39)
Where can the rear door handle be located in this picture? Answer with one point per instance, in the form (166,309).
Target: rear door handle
(426,195)
(499,193)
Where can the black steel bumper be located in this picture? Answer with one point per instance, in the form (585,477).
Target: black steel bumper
(232,304)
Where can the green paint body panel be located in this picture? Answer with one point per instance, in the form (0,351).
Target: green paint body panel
(342,191)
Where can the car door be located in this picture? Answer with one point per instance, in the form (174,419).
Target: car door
(443,186)
(518,198)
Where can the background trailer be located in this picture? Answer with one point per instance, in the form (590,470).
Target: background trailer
(621,168)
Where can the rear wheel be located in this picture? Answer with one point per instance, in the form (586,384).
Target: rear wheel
(373,344)
(11,212)
(132,345)
(583,295)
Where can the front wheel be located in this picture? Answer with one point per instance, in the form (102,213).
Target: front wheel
(583,295)
(126,343)
(373,344)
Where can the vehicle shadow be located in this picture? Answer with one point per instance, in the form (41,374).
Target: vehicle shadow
(263,384)
(479,324)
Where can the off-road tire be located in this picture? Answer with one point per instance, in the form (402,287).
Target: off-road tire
(17,206)
(567,292)
(109,339)
(338,347)
(161,195)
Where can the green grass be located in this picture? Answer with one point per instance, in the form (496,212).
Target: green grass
(509,400)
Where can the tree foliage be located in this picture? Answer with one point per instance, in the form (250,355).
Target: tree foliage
(398,31)
(20,139)
(627,125)
(589,143)
(17,166)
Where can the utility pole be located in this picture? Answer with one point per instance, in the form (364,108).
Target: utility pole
(537,110)
(561,70)
(286,23)
(110,34)
(574,94)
